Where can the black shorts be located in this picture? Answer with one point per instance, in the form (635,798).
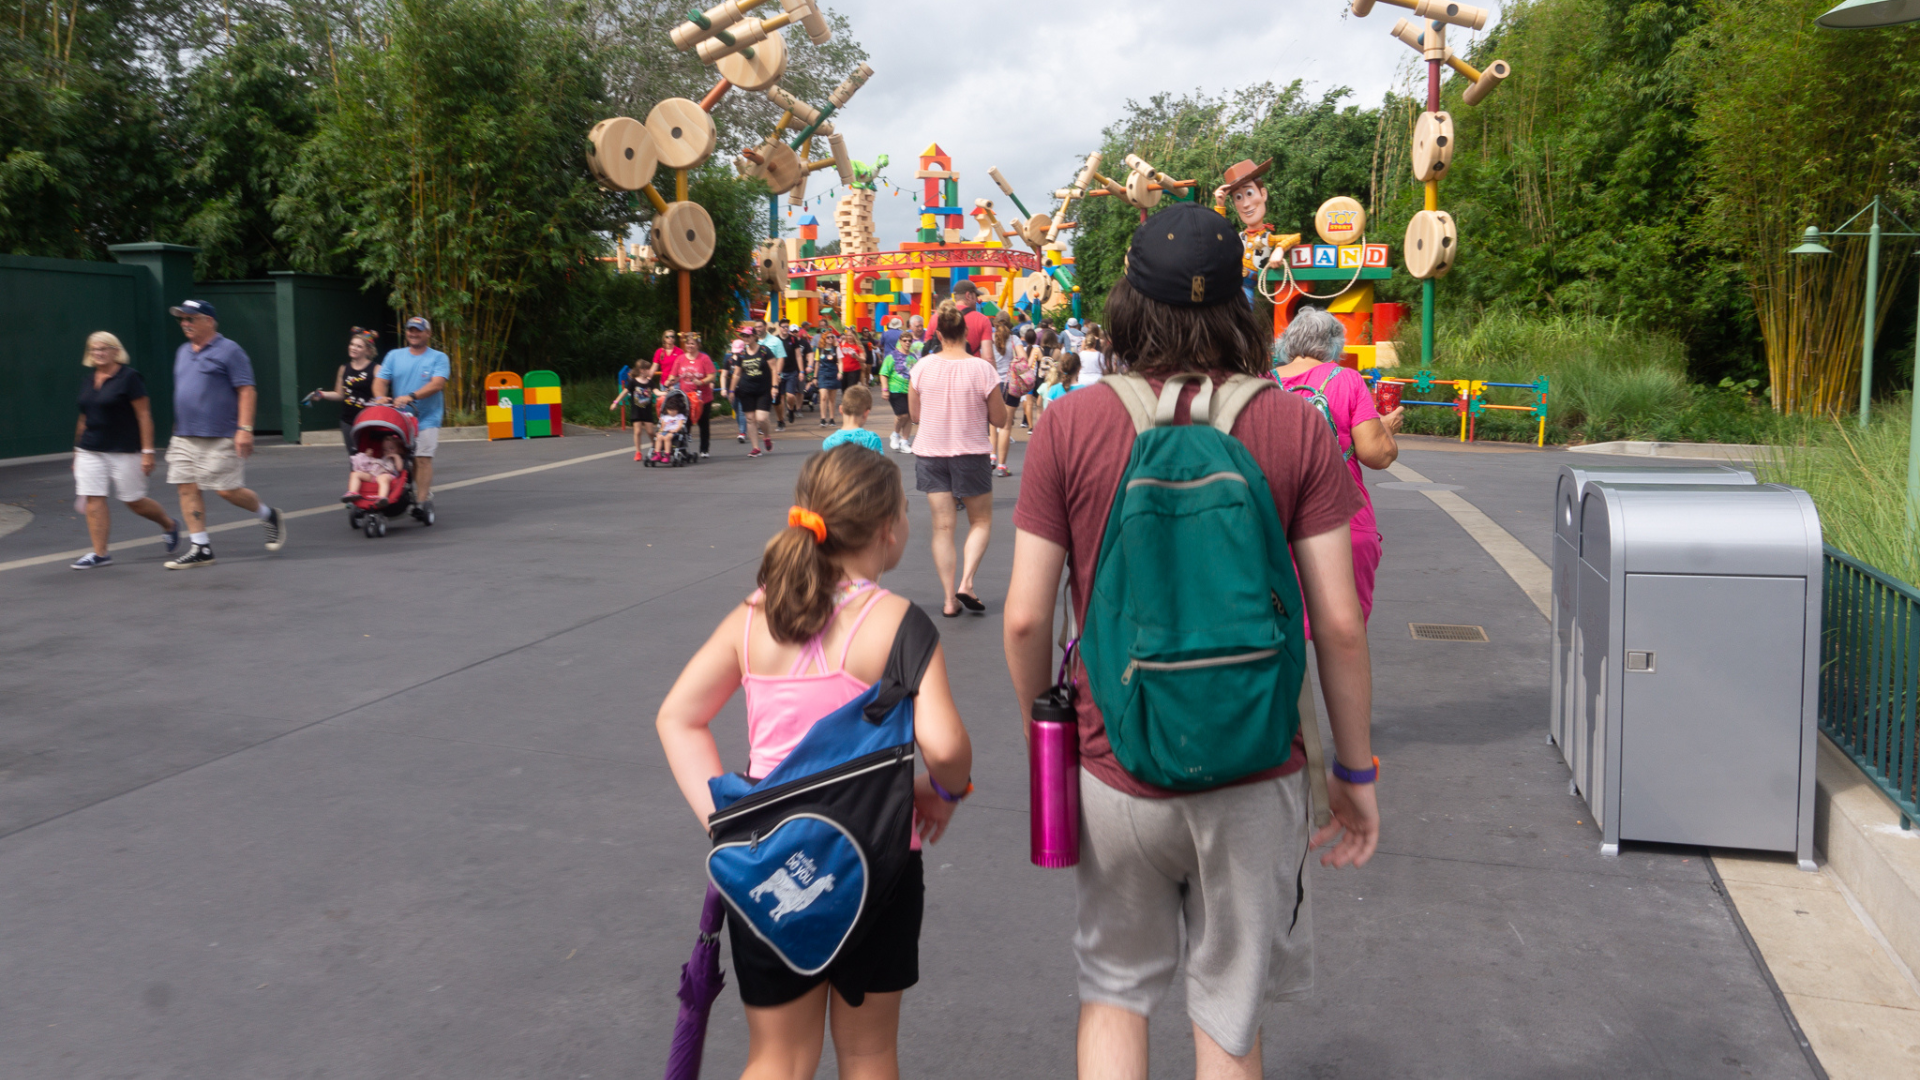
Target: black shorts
(753,399)
(884,961)
(901,406)
(964,476)
(1008,397)
(790,383)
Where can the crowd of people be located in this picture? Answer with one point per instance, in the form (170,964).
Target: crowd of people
(1203,880)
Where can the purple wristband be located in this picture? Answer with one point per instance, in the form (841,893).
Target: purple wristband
(945,795)
(1341,772)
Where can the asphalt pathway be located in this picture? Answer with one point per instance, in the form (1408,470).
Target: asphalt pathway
(395,808)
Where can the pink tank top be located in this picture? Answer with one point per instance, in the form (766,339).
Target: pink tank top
(781,709)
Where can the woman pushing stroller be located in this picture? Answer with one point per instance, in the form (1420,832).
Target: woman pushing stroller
(819,638)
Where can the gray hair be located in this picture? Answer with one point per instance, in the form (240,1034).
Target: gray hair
(1313,333)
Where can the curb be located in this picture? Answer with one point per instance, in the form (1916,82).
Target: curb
(1859,830)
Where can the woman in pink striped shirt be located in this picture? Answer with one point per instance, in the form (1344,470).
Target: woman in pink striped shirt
(954,399)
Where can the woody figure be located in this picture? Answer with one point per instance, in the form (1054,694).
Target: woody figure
(1243,187)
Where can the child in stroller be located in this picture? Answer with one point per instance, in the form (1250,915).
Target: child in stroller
(383,435)
(670,445)
(381,470)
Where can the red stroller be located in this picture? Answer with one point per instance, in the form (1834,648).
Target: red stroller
(370,431)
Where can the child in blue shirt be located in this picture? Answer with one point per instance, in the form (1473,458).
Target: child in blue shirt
(855,403)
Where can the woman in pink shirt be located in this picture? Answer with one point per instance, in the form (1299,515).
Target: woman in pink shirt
(1311,347)
(818,633)
(954,399)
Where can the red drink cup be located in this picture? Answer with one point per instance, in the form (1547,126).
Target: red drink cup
(1386,396)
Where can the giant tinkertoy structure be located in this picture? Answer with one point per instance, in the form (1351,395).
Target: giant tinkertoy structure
(749,53)
(1433,244)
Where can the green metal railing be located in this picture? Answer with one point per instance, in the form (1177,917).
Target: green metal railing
(1870,675)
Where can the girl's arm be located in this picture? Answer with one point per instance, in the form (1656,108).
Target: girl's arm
(706,683)
(944,746)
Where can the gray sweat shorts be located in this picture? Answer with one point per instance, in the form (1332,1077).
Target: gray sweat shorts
(1228,867)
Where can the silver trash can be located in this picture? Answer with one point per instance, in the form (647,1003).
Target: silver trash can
(1699,617)
(1564,677)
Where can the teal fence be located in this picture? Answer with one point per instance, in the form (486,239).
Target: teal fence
(1870,675)
(294,327)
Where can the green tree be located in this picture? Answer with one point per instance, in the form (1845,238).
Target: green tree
(447,163)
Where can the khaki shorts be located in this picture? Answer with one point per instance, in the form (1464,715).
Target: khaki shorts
(1229,868)
(426,442)
(210,463)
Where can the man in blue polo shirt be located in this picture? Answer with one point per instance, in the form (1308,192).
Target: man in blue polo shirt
(213,404)
(415,376)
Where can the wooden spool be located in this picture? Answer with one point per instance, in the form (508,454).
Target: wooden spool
(1340,220)
(1036,230)
(1432,145)
(682,133)
(768,64)
(683,236)
(1036,287)
(1432,244)
(770,262)
(779,166)
(620,154)
(1141,193)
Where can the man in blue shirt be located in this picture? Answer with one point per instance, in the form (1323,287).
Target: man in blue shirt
(213,405)
(415,376)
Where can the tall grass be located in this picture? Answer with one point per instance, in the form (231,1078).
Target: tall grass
(1858,480)
(1606,380)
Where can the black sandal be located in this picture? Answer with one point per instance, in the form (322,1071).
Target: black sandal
(970,602)
(945,614)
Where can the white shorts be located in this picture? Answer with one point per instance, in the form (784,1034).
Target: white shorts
(102,474)
(210,463)
(426,442)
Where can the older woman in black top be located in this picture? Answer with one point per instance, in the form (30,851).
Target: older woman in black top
(353,383)
(113,451)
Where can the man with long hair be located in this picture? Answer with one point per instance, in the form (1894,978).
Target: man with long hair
(1212,881)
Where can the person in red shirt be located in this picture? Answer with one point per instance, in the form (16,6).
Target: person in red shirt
(1205,882)
(979,327)
(693,370)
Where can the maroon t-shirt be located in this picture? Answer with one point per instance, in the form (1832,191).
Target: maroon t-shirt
(1073,466)
(979,329)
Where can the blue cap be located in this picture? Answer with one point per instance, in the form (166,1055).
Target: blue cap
(193,307)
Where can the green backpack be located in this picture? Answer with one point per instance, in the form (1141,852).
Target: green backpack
(1194,646)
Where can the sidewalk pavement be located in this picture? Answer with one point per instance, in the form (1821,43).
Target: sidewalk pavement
(385,807)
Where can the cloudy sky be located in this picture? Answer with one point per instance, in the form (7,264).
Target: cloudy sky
(1027,85)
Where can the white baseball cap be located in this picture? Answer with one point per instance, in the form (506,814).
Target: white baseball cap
(1073,322)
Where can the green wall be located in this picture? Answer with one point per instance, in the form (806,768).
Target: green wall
(294,327)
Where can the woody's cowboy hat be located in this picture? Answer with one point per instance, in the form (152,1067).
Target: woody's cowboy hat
(1243,171)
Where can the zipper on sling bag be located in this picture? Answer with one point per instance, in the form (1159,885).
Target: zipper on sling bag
(884,759)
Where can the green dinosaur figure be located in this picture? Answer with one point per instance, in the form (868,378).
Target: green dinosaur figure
(868,178)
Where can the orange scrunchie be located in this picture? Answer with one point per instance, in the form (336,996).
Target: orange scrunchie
(801,518)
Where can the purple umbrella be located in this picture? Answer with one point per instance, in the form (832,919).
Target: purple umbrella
(700,983)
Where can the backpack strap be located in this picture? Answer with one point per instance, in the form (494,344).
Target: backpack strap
(913,646)
(1170,399)
(1316,757)
(1136,394)
(1233,396)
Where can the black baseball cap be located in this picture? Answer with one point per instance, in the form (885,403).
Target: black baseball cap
(966,285)
(1186,256)
(193,307)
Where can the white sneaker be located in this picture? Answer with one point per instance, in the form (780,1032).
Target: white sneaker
(906,447)
(893,441)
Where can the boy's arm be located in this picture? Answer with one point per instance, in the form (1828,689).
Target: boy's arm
(1325,563)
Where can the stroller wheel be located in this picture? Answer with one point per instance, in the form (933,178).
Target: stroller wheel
(367,527)
(353,518)
(380,526)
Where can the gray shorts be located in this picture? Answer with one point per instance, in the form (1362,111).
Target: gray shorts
(964,476)
(1226,866)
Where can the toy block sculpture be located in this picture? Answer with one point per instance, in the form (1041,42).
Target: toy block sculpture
(506,400)
(542,404)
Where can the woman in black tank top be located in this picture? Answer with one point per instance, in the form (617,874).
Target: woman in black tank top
(353,383)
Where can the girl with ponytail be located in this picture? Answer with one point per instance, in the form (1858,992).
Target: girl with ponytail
(815,636)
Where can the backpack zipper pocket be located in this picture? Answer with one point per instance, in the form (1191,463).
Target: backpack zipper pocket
(1126,677)
(1210,478)
(884,759)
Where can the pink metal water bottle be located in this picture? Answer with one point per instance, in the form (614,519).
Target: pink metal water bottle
(1053,778)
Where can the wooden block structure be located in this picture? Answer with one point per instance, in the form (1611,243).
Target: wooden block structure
(542,407)
(853,217)
(506,401)
(940,213)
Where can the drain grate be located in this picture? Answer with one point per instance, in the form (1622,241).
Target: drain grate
(1427,631)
